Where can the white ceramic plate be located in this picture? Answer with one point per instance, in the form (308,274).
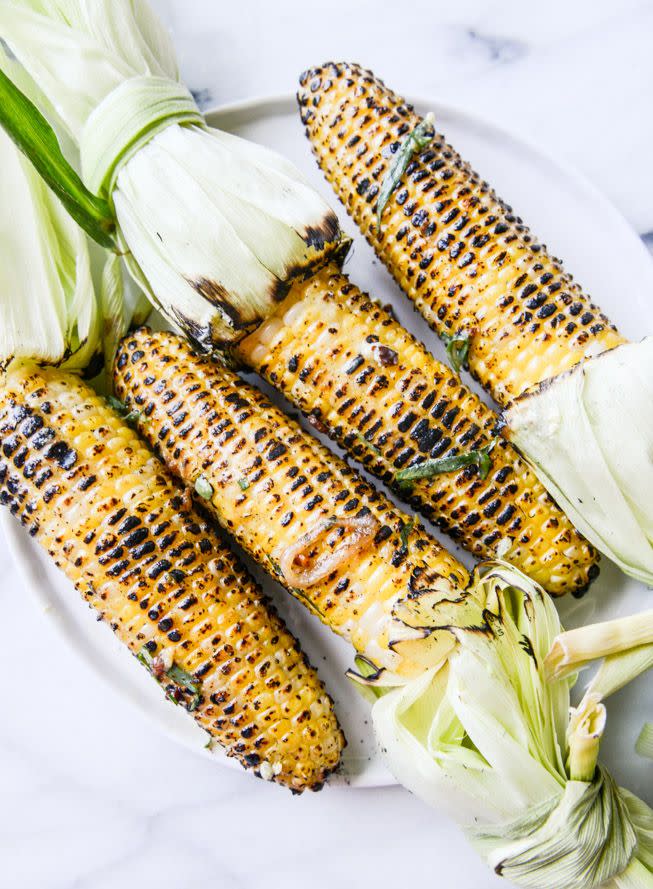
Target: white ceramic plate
(579,225)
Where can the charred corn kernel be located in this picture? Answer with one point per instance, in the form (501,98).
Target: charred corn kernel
(458,251)
(332,539)
(360,377)
(129,538)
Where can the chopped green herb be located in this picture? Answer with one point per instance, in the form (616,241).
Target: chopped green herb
(485,461)
(203,487)
(368,444)
(187,682)
(130,416)
(276,567)
(404,531)
(243,484)
(415,141)
(429,468)
(176,675)
(457,346)
(306,600)
(172,697)
(145,658)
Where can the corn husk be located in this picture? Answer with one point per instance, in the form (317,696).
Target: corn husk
(213,227)
(488,739)
(588,434)
(644,745)
(49,305)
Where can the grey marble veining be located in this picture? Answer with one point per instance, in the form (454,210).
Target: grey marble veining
(575,78)
(91,797)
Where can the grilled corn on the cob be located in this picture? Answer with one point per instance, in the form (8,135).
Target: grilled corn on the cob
(459,252)
(361,377)
(103,506)
(327,535)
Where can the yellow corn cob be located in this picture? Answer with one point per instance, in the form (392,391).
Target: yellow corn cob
(344,361)
(128,537)
(462,256)
(270,484)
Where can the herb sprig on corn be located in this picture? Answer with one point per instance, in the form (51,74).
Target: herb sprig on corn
(362,378)
(308,518)
(266,245)
(458,251)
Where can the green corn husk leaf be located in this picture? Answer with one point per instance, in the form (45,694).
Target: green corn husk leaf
(588,434)
(85,303)
(486,738)
(644,745)
(113,307)
(619,669)
(214,228)
(35,137)
(50,311)
(367,679)
(573,650)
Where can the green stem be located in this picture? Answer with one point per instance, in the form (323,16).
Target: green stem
(457,346)
(34,136)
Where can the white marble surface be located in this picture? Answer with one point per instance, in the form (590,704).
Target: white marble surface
(91,797)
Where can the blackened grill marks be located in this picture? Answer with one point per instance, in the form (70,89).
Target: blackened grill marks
(115,517)
(62,454)
(297,484)
(115,554)
(133,538)
(471,236)
(483,224)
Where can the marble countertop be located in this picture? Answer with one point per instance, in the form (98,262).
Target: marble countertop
(85,804)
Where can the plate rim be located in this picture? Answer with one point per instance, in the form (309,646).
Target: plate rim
(17,543)
(263,106)
(279,101)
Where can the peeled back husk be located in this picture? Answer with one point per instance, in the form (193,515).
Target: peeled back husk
(588,434)
(213,227)
(49,306)
(487,739)
(218,229)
